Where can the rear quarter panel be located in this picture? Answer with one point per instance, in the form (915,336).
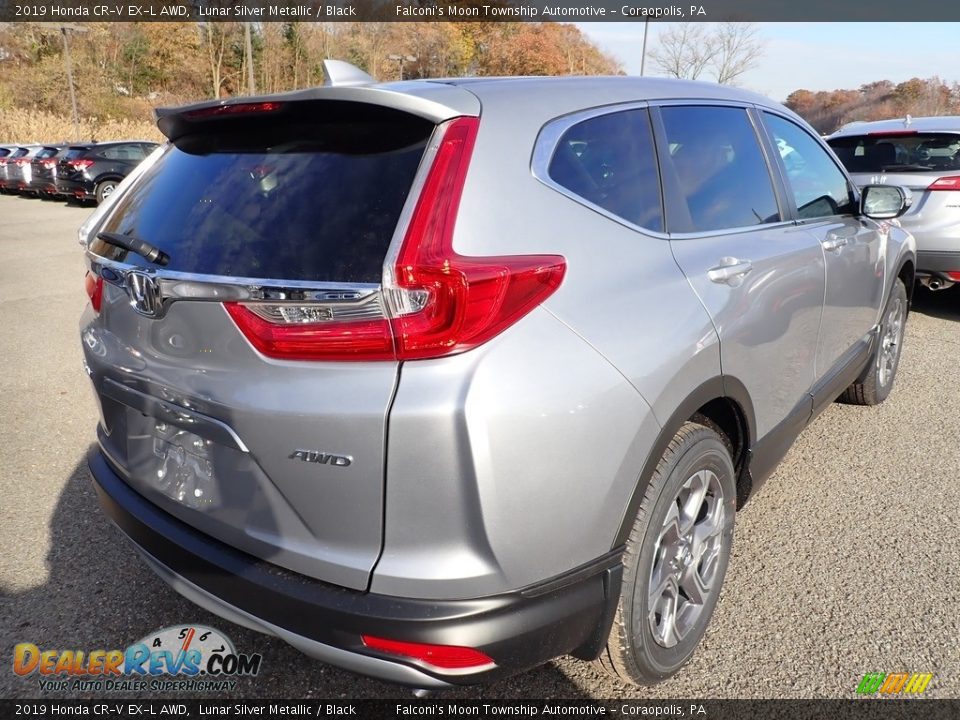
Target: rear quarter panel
(519,459)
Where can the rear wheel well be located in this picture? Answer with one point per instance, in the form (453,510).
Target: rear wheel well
(907,274)
(726,417)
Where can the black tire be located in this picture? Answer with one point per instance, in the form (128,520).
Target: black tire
(104,189)
(633,653)
(877,382)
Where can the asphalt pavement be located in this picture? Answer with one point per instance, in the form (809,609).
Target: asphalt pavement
(846,562)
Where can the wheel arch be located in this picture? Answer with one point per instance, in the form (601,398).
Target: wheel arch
(108,176)
(725,404)
(908,273)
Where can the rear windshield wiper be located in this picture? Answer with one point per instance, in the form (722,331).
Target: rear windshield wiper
(904,168)
(140,247)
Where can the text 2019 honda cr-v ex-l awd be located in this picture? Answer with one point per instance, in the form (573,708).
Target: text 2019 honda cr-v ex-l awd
(439,380)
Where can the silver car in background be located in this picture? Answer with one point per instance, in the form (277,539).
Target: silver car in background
(439,380)
(922,154)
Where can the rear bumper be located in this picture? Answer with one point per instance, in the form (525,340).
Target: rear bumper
(937,262)
(519,630)
(74,188)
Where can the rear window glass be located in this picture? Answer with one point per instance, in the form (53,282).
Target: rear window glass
(315,194)
(898,152)
(19,152)
(73,152)
(46,153)
(4,152)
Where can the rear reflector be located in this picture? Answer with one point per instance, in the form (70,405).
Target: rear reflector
(436,302)
(235,109)
(441,657)
(94,287)
(951,182)
(954,275)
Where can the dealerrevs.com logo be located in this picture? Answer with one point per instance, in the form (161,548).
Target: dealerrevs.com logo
(186,658)
(894,683)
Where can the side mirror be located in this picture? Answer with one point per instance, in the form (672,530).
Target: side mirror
(884,202)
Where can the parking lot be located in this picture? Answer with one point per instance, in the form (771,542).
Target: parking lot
(847,562)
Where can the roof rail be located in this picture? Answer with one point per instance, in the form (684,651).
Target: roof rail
(343,74)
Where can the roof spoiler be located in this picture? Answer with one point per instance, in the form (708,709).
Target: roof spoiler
(434,101)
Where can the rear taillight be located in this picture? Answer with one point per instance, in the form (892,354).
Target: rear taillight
(436,302)
(326,340)
(94,287)
(951,182)
(446,658)
(49,164)
(442,302)
(80,164)
(22,161)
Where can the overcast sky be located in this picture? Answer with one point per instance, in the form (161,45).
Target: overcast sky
(817,56)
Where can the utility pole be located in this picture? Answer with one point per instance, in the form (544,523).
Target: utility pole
(66,59)
(643,52)
(251,85)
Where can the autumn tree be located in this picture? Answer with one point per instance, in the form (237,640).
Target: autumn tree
(880,100)
(123,70)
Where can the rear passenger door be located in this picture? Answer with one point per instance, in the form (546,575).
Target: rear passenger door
(759,276)
(827,209)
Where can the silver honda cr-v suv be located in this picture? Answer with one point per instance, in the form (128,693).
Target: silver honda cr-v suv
(439,380)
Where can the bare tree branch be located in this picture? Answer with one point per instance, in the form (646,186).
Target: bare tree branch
(738,48)
(727,50)
(684,51)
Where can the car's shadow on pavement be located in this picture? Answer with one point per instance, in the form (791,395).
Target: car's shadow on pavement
(943,304)
(99,595)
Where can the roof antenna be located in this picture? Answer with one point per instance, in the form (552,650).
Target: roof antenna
(341,74)
(907,120)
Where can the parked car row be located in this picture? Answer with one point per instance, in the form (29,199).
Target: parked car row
(82,171)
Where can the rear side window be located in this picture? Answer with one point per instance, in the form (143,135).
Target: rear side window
(716,161)
(905,151)
(819,187)
(609,161)
(314,195)
(123,152)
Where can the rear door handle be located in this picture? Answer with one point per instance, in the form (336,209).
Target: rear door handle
(731,271)
(832,244)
